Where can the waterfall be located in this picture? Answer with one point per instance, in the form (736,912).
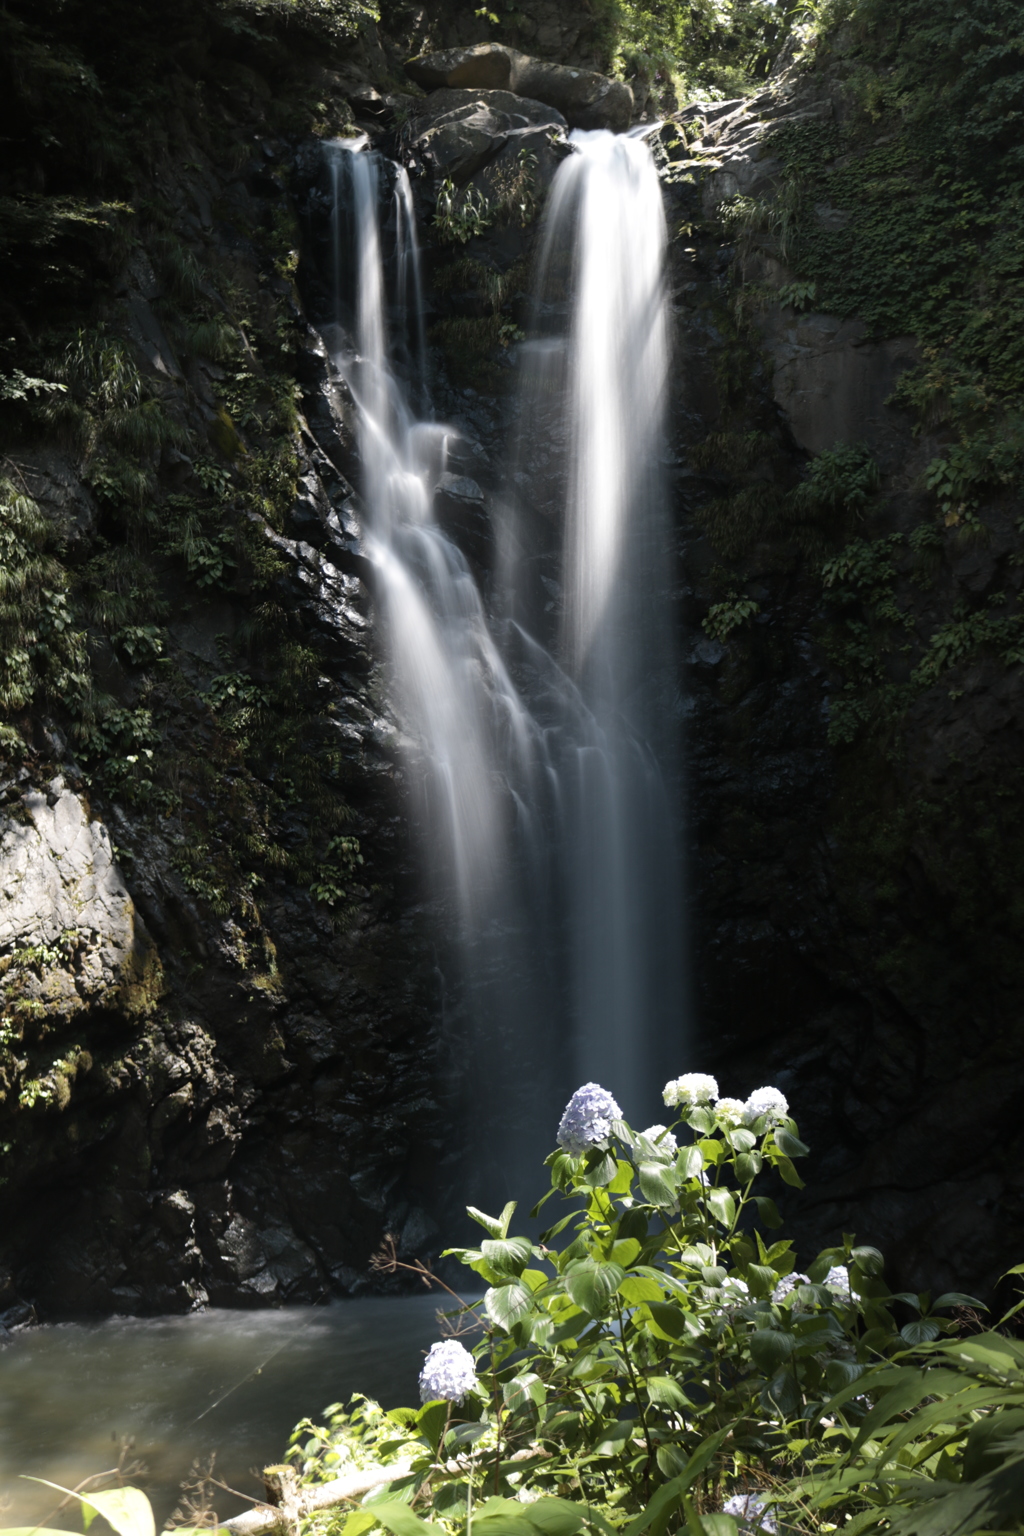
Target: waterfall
(538,734)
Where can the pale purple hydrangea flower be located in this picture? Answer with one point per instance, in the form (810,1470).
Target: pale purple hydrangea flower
(588,1118)
(731,1111)
(690,1089)
(766,1101)
(838,1279)
(749,1509)
(448,1373)
(662,1138)
(789,1283)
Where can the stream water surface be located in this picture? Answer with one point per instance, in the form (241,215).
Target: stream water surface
(181,1388)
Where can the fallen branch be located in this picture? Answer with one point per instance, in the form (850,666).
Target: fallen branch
(295,1502)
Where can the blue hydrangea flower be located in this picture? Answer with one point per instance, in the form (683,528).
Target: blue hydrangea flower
(750,1511)
(449,1373)
(766,1101)
(692,1088)
(588,1118)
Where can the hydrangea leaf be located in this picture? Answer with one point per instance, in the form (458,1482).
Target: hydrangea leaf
(656,1184)
(592,1285)
(723,1205)
(791,1145)
(507,1255)
(507,1305)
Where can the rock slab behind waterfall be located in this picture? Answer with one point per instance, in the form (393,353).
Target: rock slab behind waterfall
(459,131)
(585,98)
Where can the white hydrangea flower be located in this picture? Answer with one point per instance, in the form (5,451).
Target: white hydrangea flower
(749,1509)
(838,1279)
(732,1292)
(789,1283)
(690,1089)
(449,1372)
(731,1111)
(588,1118)
(766,1101)
(662,1138)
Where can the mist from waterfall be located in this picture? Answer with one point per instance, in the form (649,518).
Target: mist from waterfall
(538,731)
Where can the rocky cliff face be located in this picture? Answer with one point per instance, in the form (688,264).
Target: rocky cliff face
(223,1070)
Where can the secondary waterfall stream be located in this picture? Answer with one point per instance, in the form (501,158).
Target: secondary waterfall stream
(539,730)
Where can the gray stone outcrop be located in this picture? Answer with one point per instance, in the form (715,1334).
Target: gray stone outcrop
(585,98)
(458,132)
(61,888)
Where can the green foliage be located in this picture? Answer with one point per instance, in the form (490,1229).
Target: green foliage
(120,747)
(652,1355)
(338,865)
(461,213)
(42,653)
(728,615)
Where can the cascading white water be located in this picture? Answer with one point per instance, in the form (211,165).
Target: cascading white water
(544,803)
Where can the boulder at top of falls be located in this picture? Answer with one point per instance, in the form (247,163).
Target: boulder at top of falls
(458,131)
(585,98)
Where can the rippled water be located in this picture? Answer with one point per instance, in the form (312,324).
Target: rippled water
(233,1383)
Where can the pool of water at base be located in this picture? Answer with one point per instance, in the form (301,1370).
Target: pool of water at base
(227,1383)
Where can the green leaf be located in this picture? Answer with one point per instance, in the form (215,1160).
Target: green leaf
(657,1185)
(524,1389)
(400,1520)
(432,1421)
(625,1251)
(718,1525)
(791,1145)
(748,1166)
(789,1173)
(507,1305)
(671,1459)
(507,1255)
(958,1299)
(666,1392)
(491,1224)
(761,1278)
(920,1331)
(768,1212)
(592,1285)
(359,1521)
(701,1119)
(723,1206)
(769,1349)
(601,1170)
(668,1496)
(690,1162)
(668,1317)
(555,1517)
(637,1288)
(614,1440)
(741,1140)
(623,1179)
(868,1260)
(126,1510)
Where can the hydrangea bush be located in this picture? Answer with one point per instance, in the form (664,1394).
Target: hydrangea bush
(654,1360)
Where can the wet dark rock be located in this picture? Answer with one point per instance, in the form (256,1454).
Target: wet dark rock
(585,98)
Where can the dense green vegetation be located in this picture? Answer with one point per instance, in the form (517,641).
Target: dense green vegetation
(110,115)
(654,1363)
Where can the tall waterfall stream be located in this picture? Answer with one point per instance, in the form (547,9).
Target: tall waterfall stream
(539,735)
(539,732)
